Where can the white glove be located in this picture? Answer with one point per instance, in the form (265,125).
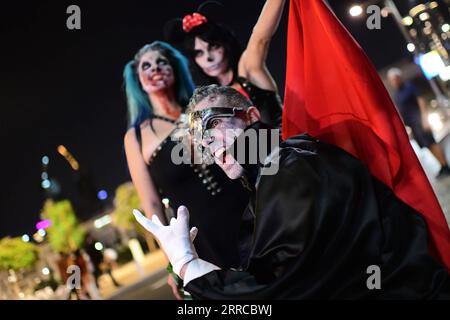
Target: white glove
(175,239)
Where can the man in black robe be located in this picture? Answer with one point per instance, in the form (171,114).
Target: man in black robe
(319,227)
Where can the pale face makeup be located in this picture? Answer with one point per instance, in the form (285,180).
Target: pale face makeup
(210,58)
(155,72)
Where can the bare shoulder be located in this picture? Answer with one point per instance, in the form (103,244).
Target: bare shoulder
(130,136)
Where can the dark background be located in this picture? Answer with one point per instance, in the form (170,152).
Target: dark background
(64,87)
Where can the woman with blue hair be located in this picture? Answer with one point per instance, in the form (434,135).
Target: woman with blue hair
(158,86)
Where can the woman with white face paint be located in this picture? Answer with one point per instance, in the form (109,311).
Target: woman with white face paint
(216,56)
(158,87)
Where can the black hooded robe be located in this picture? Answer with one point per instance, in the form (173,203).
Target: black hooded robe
(317,228)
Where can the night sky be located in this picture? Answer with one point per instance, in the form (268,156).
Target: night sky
(65,87)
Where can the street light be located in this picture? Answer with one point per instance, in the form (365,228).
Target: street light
(45,160)
(45,271)
(424,16)
(356,10)
(45,184)
(98,246)
(408,20)
(411,47)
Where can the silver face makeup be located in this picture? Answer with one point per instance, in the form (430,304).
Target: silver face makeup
(203,120)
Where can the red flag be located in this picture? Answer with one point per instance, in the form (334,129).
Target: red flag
(335,94)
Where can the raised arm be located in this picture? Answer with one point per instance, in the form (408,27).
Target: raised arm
(253,61)
(150,201)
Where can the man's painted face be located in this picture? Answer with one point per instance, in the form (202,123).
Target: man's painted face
(220,135)
(155,72)
(210,58)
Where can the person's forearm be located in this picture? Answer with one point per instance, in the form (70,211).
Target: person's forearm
(422,106)
(269,20)
(142,181)
(152,207)
(252,64)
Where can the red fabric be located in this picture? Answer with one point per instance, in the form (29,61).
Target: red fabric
(192,21)
(335,94)
(243,92)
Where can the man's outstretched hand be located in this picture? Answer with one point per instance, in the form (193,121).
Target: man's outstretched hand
(175,239)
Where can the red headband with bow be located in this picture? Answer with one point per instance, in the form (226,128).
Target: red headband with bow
(192,21)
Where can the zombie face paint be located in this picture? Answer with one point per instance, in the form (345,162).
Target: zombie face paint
(155,72)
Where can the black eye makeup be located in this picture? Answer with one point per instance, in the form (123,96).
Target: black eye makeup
(145,65)
(213,46)
(162,61)
(198,53)
(213,123)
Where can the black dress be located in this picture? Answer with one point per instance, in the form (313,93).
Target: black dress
(215,202)
(268,102)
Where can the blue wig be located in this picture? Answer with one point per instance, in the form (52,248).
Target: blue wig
(139,106)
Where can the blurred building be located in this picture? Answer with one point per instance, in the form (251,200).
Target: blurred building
(429,27)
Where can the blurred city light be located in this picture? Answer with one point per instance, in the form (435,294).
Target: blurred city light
(44,176)
(424,16)
(445,74)
(98,246)
(385,12)
(431,64)
(103,221)
(407,21)
(45,184)
(62,150)
(25,238)
(435,121)
(433,5)
(43,224)
(417,9)
(37,237)
(411,47)
(45,160)
(102,195)
(136,250)
(356,10)
(45,271)
(445,27)
(42,232)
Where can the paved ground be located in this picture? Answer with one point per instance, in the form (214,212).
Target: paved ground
(431,167)
(152,284)
(152,287)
